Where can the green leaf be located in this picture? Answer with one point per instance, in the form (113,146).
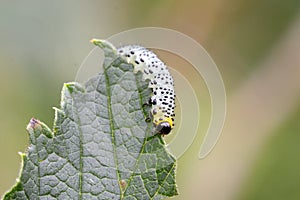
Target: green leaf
(101,147)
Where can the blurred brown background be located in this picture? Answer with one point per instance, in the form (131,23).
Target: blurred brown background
(254,43)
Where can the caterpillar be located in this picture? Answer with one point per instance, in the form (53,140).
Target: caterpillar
(161,83)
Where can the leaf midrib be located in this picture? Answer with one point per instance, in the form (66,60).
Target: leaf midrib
(111,123)
(80,146)
(145,139)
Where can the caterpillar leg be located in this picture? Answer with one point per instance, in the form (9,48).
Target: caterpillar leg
(150,102)
(146,104)
(148,119)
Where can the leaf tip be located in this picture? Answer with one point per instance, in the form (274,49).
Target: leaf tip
(72,86)
(69,86)
(55,108)
(34,124)
(21,153)
(95,41)
(102,44)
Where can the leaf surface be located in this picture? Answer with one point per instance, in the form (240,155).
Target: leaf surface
(100,147)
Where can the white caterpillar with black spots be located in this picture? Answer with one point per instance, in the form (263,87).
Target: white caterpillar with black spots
(161,82)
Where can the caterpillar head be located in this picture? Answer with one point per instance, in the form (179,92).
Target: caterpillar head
(164,126)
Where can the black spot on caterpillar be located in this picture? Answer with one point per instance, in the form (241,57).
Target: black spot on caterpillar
(161,83)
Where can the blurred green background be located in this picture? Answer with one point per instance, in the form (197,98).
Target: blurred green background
(254,43)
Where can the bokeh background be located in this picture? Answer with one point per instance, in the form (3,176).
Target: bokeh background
(255,44)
